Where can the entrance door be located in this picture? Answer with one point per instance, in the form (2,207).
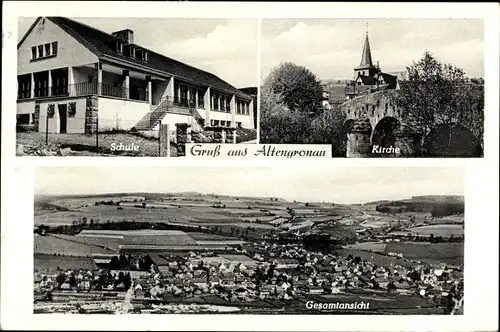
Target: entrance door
(63,118)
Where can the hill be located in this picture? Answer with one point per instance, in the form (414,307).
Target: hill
(437,205)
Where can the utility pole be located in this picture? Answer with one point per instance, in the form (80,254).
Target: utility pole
(47,127)
(97,132)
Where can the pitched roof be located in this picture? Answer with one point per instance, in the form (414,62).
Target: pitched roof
(103,44)
(366,56)
(390,80)
(368,80)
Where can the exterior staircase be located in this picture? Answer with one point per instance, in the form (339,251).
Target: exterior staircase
(151,119)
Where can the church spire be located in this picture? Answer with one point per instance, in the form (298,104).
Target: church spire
(366,57)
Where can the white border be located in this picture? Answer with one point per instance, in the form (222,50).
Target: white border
(481,255)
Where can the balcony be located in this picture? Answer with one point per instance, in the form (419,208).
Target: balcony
(84,89)
(184,102)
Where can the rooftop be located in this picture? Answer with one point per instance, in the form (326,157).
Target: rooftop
(103,45)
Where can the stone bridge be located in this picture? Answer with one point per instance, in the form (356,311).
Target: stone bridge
(373,122)
(375,128)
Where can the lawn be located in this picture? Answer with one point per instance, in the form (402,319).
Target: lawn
(85,145)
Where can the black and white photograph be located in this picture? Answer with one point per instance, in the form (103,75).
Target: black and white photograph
(374,87)
(134,86)
(183,240)
(250,166)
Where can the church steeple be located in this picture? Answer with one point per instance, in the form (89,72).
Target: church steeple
(366,67)
(366,57)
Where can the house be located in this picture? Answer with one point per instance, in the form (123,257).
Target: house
(73,78)
(315,290)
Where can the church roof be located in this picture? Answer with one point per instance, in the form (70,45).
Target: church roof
(366,56)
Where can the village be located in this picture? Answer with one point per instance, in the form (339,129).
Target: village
(192,269)
(276,276)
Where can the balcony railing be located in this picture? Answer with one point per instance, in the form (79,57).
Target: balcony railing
(218,108)
(184,102)
(90,88)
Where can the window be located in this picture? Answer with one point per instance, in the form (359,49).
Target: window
(192,97)
(54,48)
(216,123)
(238,107)
(24,86)
(142,55)
(119,46)
(216,102)
(228,104)
(221,106)
(43,51)
(201,101)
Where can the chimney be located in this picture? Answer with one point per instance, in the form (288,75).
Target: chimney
(127,36)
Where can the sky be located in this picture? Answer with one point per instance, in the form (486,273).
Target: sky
(224,47)
(331,48)
(327,184)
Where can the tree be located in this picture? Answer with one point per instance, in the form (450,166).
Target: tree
(60,279)
(437,94)
(328,128)
(290,112)
(280,124)
(299,89)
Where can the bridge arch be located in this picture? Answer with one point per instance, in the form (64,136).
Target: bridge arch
(451,141)
(383,133)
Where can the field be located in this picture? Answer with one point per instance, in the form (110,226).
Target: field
(209,237)
(437,230)
(50,245)
(369,246)
(450,253)
(378,259)
(432,253)
(51,263)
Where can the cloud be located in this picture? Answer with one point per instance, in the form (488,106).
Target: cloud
(224,47)
(229,51)
(331,49)
(340,185)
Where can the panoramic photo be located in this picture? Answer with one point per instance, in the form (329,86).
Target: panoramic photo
(374,87)
(134,86)
(382,241)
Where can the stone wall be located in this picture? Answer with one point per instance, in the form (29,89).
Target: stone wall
(183,134)
(36,116)
(91,114)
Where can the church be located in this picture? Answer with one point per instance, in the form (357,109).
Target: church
(369,78)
